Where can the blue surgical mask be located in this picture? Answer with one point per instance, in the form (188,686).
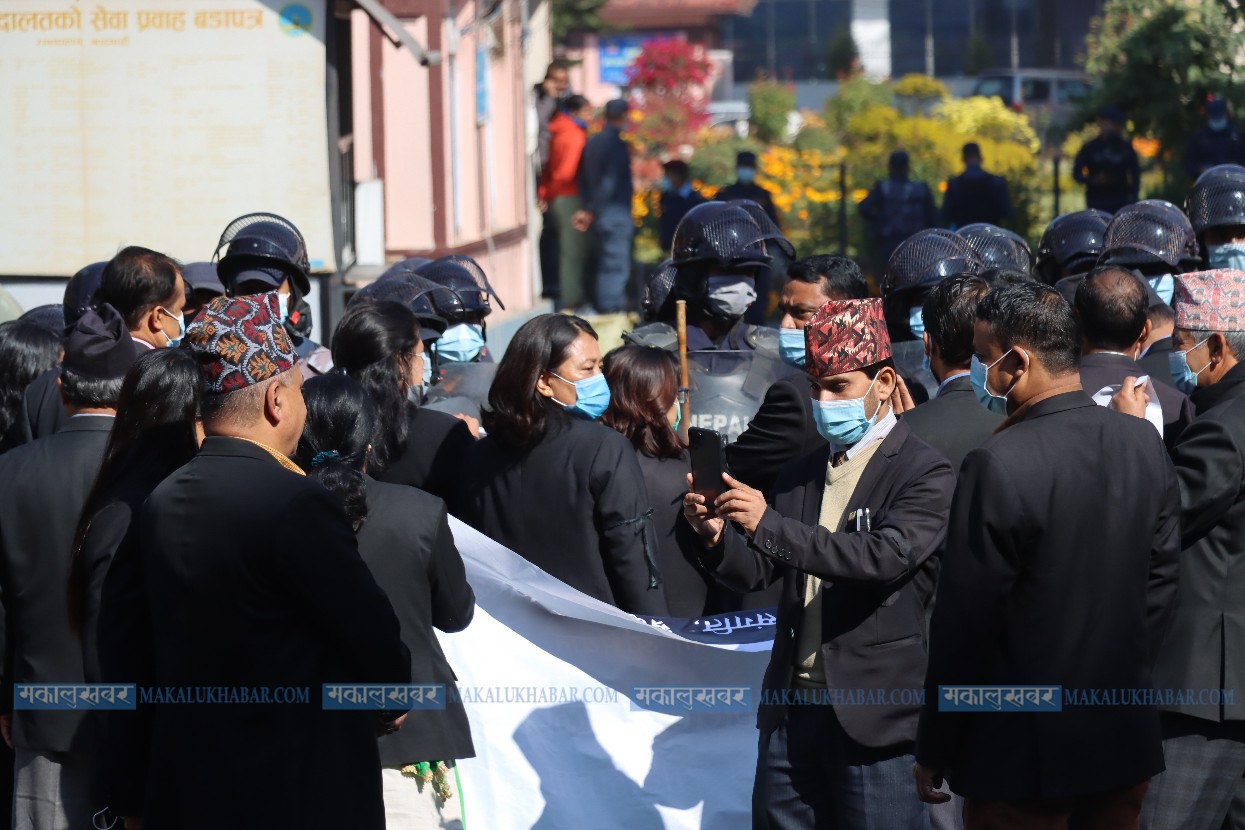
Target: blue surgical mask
(665,185)
(685,191)
(1164,286)
(791,346)
(929,370)
(1228,255)
(461,343)
(678,416)
(283,303)
(977,378)
(1183,377)
(843,423)
(592,396)
(916,322)
(745,175)
(174,342)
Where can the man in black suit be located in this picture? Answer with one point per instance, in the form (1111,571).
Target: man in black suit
(1204,732)
(1042,586)
(43,487)
(254,581)
(846,531)
(953,422)
(1111,307)
(783,427)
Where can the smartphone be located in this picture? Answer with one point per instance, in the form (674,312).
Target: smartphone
(708,450)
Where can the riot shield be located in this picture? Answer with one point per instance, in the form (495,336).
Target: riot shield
(727,387)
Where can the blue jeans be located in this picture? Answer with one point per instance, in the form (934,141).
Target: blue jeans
(615,230)
(812,776)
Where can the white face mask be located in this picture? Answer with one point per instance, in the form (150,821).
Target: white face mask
(731,296)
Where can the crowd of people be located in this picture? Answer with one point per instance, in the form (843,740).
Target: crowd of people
(1012,469)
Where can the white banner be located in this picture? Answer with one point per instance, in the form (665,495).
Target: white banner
(549,676)
(156,123)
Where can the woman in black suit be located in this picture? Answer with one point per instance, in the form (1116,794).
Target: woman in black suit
(404,539)
(156,431)
(644,409)
(380,343)
(562,491)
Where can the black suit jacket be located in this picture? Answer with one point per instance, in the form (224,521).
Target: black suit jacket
(255,580)
(1205,648)
(782,430)
(43,486)
(954,422)
(1157,360)
(575,506)
(407,545)
(873,619)
(1101,369)
(1059,570)
(436,445)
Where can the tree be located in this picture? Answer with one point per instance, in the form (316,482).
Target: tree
(770,103)
(979,56)
(1160,61)
(843,55)
(668,81)
(566,16)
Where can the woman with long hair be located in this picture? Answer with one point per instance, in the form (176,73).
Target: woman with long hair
(548,482)
(404,539)
(27,350)
(156,431)
(644,409)
(379,343)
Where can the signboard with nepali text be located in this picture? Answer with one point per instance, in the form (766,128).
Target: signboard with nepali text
(144,122)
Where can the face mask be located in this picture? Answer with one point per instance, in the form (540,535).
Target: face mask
(666,187)
(745,175)
(592,396)
(985,382)
(1228,255)
(929,370)
(791,346)
(730,297)
(1164,286)
(977,378)
(283,303)
(916,322)
(843,423)
(1185,378)
(678,416)
(174,342)
(461,343)
(1217,124)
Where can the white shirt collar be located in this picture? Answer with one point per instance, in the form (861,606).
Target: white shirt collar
(876,433)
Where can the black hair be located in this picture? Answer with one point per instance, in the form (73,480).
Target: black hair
(87,392)
(517,415)
(1037,318)
(575,103)
(1111,306)
(152,436)
(840,277)
(1006,276)
(337,436)
(27,350)
(556,64)
(679,167)
(874,369)
(373,343)
(1160,314)
(137,280)
(971,150)
(950,312)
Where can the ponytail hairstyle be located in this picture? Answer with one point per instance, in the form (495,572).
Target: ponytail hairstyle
(336,443)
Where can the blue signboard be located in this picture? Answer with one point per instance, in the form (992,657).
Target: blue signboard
(617,53)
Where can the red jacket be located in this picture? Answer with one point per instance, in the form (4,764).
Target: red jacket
(566,145)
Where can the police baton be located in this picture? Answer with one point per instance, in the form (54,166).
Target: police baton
(685,392)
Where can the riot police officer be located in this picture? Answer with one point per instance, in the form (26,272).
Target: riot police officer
(782,254)
(1216,206)
(1108,165)
(464,340)
(1155,239)
(1071,244)
(918,264)
(265,252)
(998,247)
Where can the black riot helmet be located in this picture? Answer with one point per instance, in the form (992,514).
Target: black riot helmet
(718,235)
(998,247)
(1148,235)
(1217,198)
(927,258)
(414,292)
(80,292)
(1071,244)
(406,266)
(263,247)
(770,232)
(657,291)
(467,279)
